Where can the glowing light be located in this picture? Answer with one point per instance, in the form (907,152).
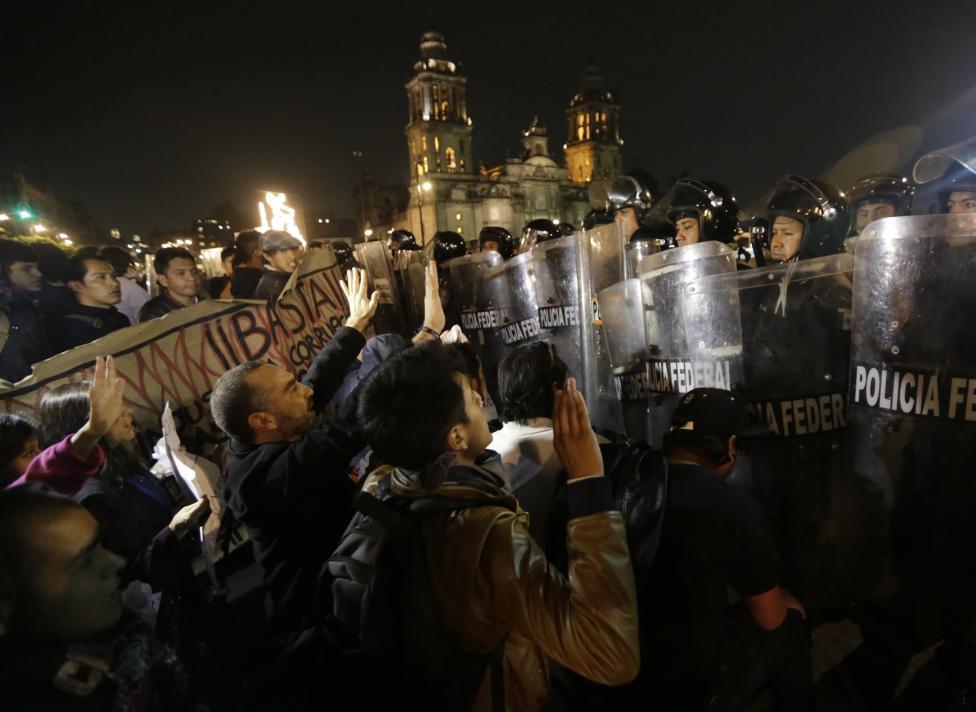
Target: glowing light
(24,214)
(368,232)
(277,215)
(189,242)
(4,217)
(68,242)
(40,227)
(63,235)
(320,221)
(425,186)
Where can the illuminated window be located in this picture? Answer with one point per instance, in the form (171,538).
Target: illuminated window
(423,143)
(437,100)
(580,131)
(460,230)
(437,144)
(462,164)
(457,216)
(451,159)
(444,111)
(426,165)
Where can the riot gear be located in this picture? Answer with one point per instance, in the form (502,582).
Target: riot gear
(821,209)
(501,237)
(537,231)
(879,189)
(402,240)
(647,240)
(627,192)
(448,245)
(344,255)
(566,229)
(955,166)
(595,218)
(711,204)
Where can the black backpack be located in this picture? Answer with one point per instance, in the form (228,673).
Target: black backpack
(393,637)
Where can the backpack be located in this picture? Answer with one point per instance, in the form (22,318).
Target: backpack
(383,604)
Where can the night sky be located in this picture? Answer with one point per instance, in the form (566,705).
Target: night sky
(152,113)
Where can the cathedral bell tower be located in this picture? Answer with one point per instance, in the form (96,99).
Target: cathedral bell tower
(439,129)
(594,146)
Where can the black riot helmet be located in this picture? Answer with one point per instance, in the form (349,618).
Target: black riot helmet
(659,231)
(626,191)
(954,167)
(448,245)
(344,255)
(708,202)
(888,188)
(403,240)
(538,230)
(566,229)
(820,206)
(501,237)
(597,217)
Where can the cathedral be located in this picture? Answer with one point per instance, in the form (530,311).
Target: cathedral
(449,190)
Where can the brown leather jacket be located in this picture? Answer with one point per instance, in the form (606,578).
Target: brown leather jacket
(491,580)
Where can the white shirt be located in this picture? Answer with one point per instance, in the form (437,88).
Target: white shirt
(133,297)
(526,450)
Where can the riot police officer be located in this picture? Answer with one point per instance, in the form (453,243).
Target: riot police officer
(344,256)
(646,240)
(595,218)
(401,239)
(448,245)
(877,196)
(536,231)
(701,211)
(630,198)
(497,239)
(808,217)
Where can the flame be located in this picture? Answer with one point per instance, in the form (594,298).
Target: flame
(277,215)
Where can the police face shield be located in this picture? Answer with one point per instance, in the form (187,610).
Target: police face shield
(951,171)
(880,196)
(795,358)
(375,259)
(622,311)
(805,222)
(692,338)
(410,267)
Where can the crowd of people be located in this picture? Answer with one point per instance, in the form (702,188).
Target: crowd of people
(408,548)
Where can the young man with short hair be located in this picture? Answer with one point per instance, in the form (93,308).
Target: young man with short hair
(179,282)
(491,582)
(249,265)
(23,330)
(133,295)
(92,315)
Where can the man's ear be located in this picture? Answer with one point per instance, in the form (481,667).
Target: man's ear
(732,448)
(457,438)
(6,616)
(163,282)
(75,286)
(261,421)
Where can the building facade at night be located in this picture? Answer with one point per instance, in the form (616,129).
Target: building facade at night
(449,190)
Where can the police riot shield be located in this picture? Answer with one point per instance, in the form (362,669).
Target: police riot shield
(600,264)
(375,259)
(636,251)
(622,310)
(692,337)
(557,292)
(469,294)
(913,407)
(796,327)
(410,272)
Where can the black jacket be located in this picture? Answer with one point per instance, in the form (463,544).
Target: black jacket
(27,340)
(244,281)
(296,498)
(271,284)
(158,306)
(79,325)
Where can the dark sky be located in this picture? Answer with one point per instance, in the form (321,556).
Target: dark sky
(151,113)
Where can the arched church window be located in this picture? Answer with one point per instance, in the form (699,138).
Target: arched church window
(451,159)
(435,92)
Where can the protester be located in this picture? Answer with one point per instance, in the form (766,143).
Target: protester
(179,281)
(287,479)
(219,287)
(283,253)
(92,314)
(64,641)
(23,330)
(52,261)
(697,652)
(19,445)
(133,296)
(249,265)
(491,582)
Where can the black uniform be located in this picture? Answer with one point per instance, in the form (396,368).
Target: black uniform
(81,325)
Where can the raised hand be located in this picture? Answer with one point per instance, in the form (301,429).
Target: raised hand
(434,318)
(362,306)
(573,437)
(104,397)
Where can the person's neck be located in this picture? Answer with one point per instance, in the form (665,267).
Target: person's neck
(179,299)
(86,302)
(684,457)
(464,458)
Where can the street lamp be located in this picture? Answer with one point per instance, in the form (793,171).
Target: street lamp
(421,189)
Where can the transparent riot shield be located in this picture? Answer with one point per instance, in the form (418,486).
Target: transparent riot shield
(409,271)
(622,309)
(375,259)
(692,338)
(796,328)
(601,264)
(912,393)
(636,252)
(558,299)
(469,294)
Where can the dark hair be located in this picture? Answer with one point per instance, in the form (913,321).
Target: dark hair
(62,411)
(233,399)
(13,251)
(77,267)
(21,509)
(227,252)
(246,244)
(165,255)
(526,377)
(15,431)
(315,243)
(710,448)
(409,403)
(51,260)
(117,257)
(465,359)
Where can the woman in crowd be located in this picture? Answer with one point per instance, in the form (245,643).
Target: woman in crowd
(19,444)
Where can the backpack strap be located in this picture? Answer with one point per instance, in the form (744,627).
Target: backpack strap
(90,320)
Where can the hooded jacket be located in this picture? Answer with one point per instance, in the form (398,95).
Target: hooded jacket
(26,342)
(491,581)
